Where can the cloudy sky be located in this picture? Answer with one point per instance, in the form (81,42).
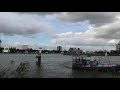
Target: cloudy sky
(87,30)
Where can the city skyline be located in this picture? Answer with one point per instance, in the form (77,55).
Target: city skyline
(86,30)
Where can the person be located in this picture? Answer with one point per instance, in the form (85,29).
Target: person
(81,62)
(73,59)
(91,63)
(79,59)
(76,60)
(95,63)
(82,58)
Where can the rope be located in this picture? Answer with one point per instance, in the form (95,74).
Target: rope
(110,63)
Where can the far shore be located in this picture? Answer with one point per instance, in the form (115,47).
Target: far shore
(29,53)
(59,53)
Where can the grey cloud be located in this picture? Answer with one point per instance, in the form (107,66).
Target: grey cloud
(97,18)
(82,39)
(15,23)
(40,13)
(107,24)
(109,31)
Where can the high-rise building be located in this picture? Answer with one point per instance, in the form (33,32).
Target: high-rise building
(0,41)
(118,46)
(72,50)
(75,51)
(25,47)
(59,48)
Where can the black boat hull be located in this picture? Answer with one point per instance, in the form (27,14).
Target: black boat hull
(116,68)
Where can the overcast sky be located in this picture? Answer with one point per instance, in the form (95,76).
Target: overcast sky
(86,30)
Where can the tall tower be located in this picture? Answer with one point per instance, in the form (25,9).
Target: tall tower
(118,46)
(59,48)
(0,40)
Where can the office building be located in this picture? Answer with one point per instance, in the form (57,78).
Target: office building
(59,48)
(118,46)
(75,51)
(0,41)
(25,47)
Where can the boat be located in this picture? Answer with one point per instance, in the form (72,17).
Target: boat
(82,63)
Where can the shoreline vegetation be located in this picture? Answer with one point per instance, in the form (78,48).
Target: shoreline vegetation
(65,52)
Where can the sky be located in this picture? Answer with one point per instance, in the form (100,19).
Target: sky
(86,30)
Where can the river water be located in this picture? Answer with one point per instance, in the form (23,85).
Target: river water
(56,66)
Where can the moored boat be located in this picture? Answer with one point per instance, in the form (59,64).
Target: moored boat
(86,64)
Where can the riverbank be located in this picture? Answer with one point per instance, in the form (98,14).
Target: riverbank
(18,53)
(65,54)
(29,53)
(89,55)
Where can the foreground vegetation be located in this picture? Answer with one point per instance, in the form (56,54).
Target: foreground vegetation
(14,72)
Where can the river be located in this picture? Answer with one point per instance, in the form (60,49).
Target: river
(55,66)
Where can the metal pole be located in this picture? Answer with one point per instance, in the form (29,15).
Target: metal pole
(39,57)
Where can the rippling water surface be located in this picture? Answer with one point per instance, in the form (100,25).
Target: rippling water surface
(56,66)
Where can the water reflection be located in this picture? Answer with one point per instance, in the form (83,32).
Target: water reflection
(38,71)
(92,74)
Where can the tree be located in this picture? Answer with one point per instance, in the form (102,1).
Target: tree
(1,49)
(13,50)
